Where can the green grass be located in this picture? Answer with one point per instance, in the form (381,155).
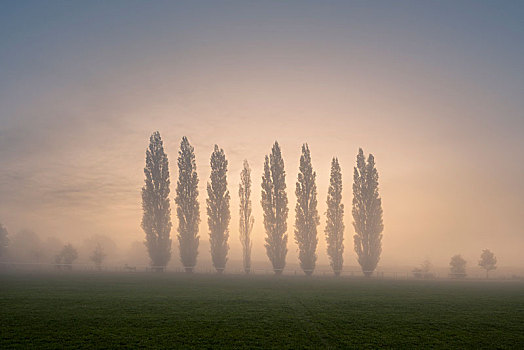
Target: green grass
(172,310)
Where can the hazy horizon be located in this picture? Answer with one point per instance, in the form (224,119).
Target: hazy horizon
(433,91)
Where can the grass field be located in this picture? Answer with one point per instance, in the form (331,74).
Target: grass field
(174,310)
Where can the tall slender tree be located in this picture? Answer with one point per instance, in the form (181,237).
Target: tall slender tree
(306,219)
(156,220)
(274,204)
(4,240)
(246,219)
(218,209)
(335,219)
(188,210)
(367,214)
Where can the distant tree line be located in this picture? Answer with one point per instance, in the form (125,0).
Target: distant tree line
(27,247)
(457,266)
(156,219)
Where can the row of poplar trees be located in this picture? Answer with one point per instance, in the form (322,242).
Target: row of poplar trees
(156,221)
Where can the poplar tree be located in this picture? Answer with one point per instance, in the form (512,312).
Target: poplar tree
(367,214)
(188,210)
(246,219)
(156,219)
(218,209)
(335,219)
(4,240)
(274,204)
(306,218)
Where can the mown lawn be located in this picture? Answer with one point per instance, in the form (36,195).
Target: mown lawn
(108,310)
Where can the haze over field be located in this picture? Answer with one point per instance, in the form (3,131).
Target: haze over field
(434,91)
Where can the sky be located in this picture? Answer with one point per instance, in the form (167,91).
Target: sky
(434,90)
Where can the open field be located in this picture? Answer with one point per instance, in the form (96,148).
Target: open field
(176,310)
